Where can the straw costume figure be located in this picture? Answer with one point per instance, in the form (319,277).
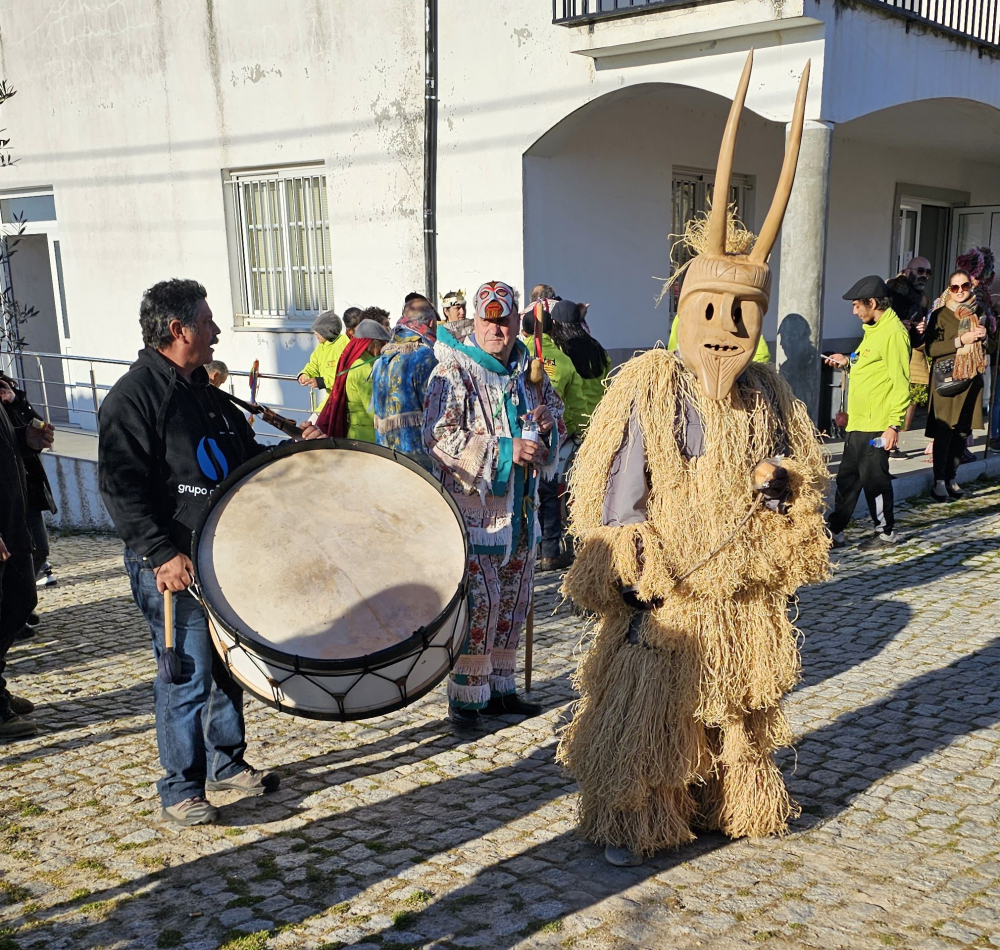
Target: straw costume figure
(697,499)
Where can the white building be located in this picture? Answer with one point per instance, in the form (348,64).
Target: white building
(275,150)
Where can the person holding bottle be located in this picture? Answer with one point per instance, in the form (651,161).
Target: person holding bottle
(876,407)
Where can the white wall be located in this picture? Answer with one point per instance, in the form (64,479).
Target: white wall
(131,110)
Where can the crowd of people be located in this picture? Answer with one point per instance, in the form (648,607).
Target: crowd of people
(914,353)
(495,406)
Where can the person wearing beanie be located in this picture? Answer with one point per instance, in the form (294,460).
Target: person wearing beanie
(347,413)
(321,369)
(877,399)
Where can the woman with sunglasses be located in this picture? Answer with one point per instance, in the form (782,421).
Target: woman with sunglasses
(951,419)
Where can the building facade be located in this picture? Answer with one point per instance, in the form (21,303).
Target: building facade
(275,150)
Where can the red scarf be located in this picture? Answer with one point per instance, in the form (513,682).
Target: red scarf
(332,420)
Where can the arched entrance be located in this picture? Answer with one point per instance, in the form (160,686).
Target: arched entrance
(602,190)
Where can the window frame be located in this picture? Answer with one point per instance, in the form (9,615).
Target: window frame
(744,185)
(281,279)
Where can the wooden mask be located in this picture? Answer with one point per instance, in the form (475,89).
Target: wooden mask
(725,296)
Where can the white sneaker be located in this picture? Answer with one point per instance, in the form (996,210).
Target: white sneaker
(45,577)
(840,540)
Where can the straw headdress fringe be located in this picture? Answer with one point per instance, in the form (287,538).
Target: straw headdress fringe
(682,725)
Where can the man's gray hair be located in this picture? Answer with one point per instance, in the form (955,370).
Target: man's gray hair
(217,366)
(168,300)
(543,292)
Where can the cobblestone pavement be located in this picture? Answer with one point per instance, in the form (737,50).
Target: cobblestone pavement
(395,833)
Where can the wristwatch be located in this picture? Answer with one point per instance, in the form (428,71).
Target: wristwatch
(895,428)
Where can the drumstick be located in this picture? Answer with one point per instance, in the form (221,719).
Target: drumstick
(287,426)
(529,642)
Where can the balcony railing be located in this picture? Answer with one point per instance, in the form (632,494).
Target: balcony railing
(575,11)
(977,21)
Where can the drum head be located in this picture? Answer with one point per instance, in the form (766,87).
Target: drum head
(330,552)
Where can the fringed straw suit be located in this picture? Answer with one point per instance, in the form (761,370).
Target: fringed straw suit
(677,730)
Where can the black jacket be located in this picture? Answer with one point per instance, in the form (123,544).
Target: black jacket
(164,446)
(21,413)
(17,575)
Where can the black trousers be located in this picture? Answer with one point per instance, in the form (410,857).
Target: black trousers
(550,518)
(949,447)
(863,467)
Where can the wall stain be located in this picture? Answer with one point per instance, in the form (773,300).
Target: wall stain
(213,65)
(255,74)
(522,35)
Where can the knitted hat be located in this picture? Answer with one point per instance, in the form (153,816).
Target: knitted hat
(371,330)
(328,325)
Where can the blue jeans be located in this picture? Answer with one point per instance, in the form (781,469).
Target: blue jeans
(199,718)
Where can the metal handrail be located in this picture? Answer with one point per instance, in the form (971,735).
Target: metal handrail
(97,390)
(976,21)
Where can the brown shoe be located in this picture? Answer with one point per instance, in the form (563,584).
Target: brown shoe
(17,727)
(20,705)
(249,781)
(560,563)
(191,811)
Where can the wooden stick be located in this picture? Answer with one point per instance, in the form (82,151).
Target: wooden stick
(168,619)
(529,643)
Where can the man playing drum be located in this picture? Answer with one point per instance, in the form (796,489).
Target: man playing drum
(167,438)
(490,430)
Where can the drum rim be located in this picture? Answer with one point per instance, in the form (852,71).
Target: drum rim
(300,713)
(419,637)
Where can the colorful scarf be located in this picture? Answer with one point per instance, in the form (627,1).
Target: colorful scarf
(332,420)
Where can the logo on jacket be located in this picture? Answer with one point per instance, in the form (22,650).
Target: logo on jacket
(211,461)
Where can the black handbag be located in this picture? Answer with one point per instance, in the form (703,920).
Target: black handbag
(943,375)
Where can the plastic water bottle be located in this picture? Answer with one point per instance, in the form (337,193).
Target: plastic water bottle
(878,443)
(529,430)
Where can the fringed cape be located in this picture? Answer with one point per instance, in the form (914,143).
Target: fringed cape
(678,729)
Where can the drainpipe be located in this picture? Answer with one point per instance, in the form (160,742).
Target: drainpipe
(430,150)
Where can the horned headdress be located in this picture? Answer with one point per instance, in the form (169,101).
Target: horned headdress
(725,295)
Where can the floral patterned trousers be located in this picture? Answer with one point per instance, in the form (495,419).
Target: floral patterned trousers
(499,596)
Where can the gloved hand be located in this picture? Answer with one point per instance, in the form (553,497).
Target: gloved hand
(770,478)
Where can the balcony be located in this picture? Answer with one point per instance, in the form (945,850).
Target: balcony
(976,21)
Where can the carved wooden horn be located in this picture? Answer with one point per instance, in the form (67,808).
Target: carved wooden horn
(772,223)
(718,219)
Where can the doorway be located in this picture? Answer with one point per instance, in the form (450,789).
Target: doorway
(35,277)
(923,232)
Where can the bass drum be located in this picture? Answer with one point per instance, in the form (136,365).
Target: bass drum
(335,578)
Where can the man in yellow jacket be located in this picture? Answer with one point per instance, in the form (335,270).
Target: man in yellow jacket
(877,399)
(321,369)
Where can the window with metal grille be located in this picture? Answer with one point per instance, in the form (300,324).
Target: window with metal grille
(280,243)
(691,191)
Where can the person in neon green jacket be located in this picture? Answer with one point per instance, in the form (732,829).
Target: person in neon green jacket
(321,369)
(761,355)
(590,360)
(348,413)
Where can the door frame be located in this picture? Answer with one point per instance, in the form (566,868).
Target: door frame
(50,230)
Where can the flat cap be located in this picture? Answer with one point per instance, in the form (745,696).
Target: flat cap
(867,288)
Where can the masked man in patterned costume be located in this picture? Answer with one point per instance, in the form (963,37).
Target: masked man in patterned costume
(697,505)
(480,410)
